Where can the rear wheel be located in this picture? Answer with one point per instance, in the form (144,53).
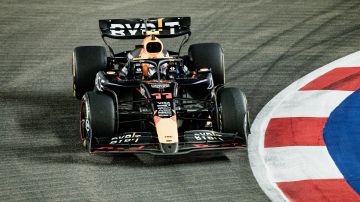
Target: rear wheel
(86,62)
(234,115)
(97,117)
(209,55)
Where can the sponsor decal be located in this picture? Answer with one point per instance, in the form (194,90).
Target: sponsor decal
(207,136)
(128,29)
(160,86)
(163,104)
(126,138)
(164,109)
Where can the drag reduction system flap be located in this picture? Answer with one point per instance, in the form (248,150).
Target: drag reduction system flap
(136,28)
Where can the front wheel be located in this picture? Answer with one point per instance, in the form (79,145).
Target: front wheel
(234,114)
(97,117)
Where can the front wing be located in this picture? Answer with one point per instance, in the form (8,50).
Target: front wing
(146,142)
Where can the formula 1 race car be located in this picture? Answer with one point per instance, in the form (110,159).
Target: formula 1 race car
(152,100)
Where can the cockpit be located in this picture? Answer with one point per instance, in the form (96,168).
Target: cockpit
(156,69)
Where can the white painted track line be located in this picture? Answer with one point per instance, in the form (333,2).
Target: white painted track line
(310,103)
(300,163)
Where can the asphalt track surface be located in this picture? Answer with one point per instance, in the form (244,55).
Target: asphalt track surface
(267,44)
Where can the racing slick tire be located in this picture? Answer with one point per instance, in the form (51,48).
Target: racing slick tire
(234,114)
(209,55)
(86,62)
(97,117)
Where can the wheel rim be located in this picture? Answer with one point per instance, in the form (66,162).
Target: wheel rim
(85,127)
(246,127)
(221,127)
(83,116)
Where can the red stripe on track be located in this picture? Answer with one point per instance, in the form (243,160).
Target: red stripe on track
(295,131)
(342,78)
(319,190)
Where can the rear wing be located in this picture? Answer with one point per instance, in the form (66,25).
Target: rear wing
(136,28)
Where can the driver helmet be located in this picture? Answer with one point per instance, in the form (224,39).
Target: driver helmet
(152,48)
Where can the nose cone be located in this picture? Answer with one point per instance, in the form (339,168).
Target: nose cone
(166,129)
(169,148)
